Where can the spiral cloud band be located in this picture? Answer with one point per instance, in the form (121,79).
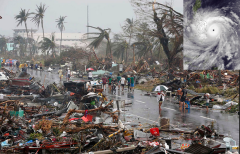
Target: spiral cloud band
(211,35)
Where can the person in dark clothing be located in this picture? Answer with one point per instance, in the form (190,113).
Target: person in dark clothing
(118,81)
(114,85)
(183,98)
(104,80)
(128,80)
(132,83)
(110,82)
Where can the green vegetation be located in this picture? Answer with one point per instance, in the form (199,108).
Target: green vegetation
(208,89)
(56,131)
(38,136)
(234,109)
(191,87)
(197,5)
(145,87)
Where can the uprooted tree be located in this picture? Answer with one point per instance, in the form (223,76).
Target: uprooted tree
(166,24)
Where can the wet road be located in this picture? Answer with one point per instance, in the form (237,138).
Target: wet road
(144,110)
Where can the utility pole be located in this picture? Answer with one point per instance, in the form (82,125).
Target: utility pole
(87,23)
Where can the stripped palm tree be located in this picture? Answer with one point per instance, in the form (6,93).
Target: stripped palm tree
(22,17)
(60,25)
(34,44)
(119,48)
(38,16)
(128,30)
(20,41)
(48,44)
(145,43)
(3,44)
(104,33)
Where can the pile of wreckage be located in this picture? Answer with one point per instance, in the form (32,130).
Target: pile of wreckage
(70,119)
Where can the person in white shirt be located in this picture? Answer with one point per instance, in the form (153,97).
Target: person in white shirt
(122,80)
(87,84)
(207,95)
(160,98)
(89,75)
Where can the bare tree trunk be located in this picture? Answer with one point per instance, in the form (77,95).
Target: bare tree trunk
(27,36)
(133,55)
(95,55)
(42,26)
(60,43)
(128,45)
(110,49)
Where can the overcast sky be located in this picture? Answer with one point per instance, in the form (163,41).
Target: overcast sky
(102,13)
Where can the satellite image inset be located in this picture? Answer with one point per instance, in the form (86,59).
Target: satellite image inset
(211,34)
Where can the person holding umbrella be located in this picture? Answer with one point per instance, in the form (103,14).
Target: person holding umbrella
(160,95)
(160,98)
(89,75)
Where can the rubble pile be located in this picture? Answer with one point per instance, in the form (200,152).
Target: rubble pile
(71,119)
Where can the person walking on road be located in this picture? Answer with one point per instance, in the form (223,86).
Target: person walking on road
(128,80)
(40,66)
(89,75)
(60,73)
(104,80)
(132,83)
(17,65)
(110,82)
(183,98)
(68,74)
(36,66)
(207,95)
(14,63)
(179,92)
(122,82)
(160,99)
(118,81)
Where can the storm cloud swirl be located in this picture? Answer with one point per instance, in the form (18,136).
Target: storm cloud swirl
(211,35)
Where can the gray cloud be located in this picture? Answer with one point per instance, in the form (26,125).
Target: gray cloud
(102,13)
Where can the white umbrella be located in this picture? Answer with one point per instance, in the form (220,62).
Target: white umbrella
(160,88)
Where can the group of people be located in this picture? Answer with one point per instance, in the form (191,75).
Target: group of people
(120,81)
(184,101)
(36,66)
(68,73)
(182,98)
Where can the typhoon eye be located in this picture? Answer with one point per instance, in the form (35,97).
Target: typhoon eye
(213,30)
